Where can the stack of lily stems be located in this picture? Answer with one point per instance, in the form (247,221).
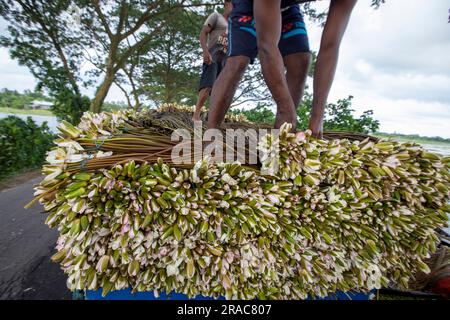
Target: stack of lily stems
(348,213)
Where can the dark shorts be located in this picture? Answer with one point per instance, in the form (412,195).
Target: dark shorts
(210,72)
(242,34)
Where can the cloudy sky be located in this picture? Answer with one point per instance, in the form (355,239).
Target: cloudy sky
(394,60)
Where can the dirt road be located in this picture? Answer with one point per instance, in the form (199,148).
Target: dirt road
(26,245)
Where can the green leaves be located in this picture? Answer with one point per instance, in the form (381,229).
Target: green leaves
(338,117)
(23,144)
(41,38)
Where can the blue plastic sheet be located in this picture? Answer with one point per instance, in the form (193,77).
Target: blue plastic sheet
(126,294)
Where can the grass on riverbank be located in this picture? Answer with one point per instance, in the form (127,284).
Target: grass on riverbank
(26,111)
(415,138)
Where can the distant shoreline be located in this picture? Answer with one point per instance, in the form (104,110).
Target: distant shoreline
(27,112)
(413,137)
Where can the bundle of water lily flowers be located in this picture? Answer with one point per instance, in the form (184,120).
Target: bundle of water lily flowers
(335,215)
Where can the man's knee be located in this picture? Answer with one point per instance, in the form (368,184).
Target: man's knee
(297,65)
(267,48)
(237,65)
(306,59)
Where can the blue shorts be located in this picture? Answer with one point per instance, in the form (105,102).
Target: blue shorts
(242,33)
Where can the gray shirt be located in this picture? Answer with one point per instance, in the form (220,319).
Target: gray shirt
(219,26)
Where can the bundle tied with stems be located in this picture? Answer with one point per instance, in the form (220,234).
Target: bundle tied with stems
(347,213)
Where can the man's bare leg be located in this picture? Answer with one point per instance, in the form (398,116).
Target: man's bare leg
(202,96)
(297,67)
(327,59)
(268,28)
(224,89)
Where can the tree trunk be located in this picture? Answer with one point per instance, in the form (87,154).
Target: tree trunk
(110,76)
(102,92)
(137,103)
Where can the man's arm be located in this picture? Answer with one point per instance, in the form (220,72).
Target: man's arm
(337,21)
(203,36)
(207,28)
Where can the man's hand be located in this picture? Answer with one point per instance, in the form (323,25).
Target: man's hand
(203,36)
(207,58)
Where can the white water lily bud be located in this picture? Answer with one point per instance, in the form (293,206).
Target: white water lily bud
(102,264)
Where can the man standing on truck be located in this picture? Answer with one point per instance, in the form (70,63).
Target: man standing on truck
(276,29)
(214,53)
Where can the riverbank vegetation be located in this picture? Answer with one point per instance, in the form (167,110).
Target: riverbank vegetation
(13,99)
(413,137)
(23,144)
(30,112)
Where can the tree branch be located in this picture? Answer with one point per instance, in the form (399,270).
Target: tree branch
(134,48)
(148,14)
(37,16)
(102,17)
(122,15)
(244,101)
(125,92)
(143,19)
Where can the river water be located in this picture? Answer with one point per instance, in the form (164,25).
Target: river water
(51,121)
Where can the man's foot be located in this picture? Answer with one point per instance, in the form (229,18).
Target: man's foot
(317,134)
(316,128)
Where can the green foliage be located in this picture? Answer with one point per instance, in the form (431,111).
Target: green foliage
(40,38)
(259,114)
(167,72)
(412,137)
(54,39)
(70,106)
(23,144)
(16,100)
(114,105)
(377,3)
(338,116)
